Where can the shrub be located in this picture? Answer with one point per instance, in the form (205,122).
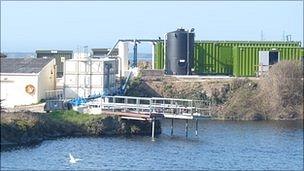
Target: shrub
(281,90)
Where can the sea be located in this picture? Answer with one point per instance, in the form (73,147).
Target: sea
(219,145)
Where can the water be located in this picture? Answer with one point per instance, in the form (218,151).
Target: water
(220,145)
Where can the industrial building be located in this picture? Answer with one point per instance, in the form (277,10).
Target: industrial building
(24,81)
(59,55)
(102,52)
(89,76)
(237,58)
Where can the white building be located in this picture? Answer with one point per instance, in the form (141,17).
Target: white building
(89,76)
(24,81)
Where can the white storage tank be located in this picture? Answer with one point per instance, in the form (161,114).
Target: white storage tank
(87,76)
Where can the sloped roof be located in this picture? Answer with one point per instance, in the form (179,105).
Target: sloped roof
(23,65)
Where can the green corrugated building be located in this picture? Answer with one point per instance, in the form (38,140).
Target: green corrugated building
(238,58)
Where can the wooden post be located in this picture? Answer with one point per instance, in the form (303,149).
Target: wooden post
(153,128)
(196,127)
(186,128)
(172,126)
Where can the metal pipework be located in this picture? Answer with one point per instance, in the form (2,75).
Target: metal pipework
(132,40)
(165,39)
(134,62)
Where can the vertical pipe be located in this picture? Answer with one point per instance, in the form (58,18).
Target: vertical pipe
(165,39)
(153,128)
(172,126)
(188,62)
(64,78)
(196,127)
(135,54)
(186,127)
(153,55)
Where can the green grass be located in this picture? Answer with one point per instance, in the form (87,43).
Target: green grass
(73,117)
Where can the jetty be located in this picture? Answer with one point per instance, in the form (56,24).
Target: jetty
(149,109)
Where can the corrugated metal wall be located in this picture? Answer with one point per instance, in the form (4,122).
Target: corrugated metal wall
(221,57)
(213,58)
(159,55)
(246,58)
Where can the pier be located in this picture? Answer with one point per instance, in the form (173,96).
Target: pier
(150,109)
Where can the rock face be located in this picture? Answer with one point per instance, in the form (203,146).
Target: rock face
(22,128)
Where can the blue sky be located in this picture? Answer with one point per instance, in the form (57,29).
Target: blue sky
(27,26)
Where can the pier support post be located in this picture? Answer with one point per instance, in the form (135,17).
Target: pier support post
(172,126)
(153,128)
(186,128)
(196,127)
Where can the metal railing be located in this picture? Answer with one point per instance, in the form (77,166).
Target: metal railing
(54,95)
(168,107)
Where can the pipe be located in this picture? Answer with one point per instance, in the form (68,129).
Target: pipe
(165,40)
(153,55)
(188,63)
(134,62)
(132,40)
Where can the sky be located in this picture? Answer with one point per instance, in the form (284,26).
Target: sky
(27,26)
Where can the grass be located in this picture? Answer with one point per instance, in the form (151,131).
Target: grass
(73,117)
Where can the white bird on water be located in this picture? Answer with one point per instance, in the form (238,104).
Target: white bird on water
(72,159)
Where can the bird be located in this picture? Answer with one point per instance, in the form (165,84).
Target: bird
(72,159)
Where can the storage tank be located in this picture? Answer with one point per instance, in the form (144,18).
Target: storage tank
(179,52)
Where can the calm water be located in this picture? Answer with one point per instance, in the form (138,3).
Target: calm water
(220,145)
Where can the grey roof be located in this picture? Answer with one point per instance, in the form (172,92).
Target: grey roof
(54,51)
(23,65)
(104,51)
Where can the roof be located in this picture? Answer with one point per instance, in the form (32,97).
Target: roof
(23,65)
(104,51)
(54,51)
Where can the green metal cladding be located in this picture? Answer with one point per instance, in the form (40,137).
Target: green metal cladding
(238,58)
(159,56)
(246,58)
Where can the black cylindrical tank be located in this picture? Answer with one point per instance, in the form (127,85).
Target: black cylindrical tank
(179,52)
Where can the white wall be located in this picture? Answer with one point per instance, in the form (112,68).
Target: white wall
(13,90)
(13,86)
(123,53)
(83,78)
(47,79)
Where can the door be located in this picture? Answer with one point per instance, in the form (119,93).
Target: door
(273,57)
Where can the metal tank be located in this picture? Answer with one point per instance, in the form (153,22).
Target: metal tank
(179,52)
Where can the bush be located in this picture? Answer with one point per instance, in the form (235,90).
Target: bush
(278,95)
(281,90)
